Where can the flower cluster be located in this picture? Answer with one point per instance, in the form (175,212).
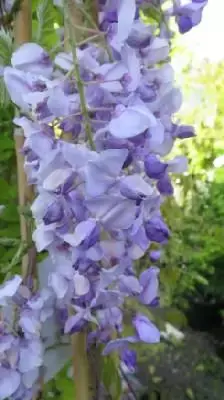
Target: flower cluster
(21,345)
(99,187)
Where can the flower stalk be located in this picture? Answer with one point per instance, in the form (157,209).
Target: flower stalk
(68,5)
(84,378)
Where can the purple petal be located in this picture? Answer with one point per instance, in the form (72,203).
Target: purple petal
(164,186)
(59,284)
(100,174)
(77,155)
(74,322)
(155,255)
(81,284)
(112,249)
(133,185)
(129,358)
(8,289)
(42,237)
(6,342)
(157,51)
(185,132)
(156,230)
(82,231)
(131,122)
(30,57)
(57,178)
(64,61)
(154,168)
(133,64)
(29,378)
(146,330)
(119,344)
(108,298)
(9,382)
(129,284)
(149,281)
(113,212)
(31,356)
(178,165)
(29,324)
(17,86)
(126,15)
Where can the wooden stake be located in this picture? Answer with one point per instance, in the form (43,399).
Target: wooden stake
(23,31)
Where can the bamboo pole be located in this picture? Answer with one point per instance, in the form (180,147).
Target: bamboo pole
(79,340)
(23,32)
(80,360)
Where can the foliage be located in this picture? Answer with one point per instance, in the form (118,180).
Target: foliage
(184,370)
(196,217)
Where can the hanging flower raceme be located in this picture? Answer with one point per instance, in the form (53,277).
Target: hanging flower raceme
(97,209)
(23,316)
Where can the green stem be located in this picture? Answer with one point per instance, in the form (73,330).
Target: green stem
(73,43)
(94,24)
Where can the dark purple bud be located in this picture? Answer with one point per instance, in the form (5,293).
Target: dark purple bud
(157,231)
(54,213)
(185,132)
(155,255)
(164,186)
(154,168)
(129,358)
(155,303)
(185,23)
(111,16)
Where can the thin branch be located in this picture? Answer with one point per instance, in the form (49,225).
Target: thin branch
(93,20)
(80,86)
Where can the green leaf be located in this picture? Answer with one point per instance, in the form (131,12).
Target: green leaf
(4,97)
(4,192)
(44,26)
(151,14)
(175,317)
(111,378)
(190,394)
(8,241)
(6,47)
(6,143)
